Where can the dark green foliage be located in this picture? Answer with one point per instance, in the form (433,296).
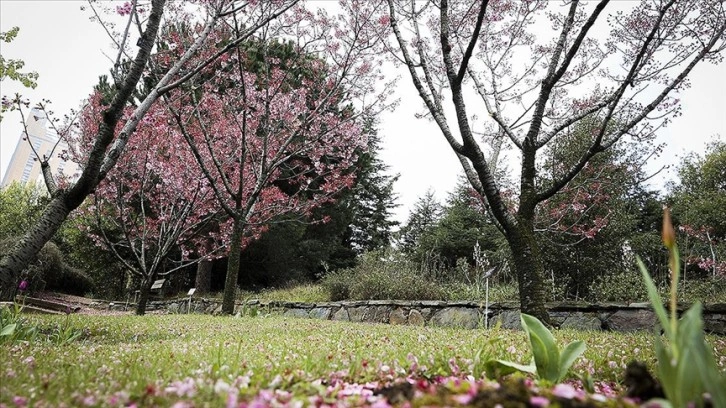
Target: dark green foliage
(442,239)
(625,286)
(75,281)
(463,224)
(58,265)
(425,214)
(699,212)
(50,272)
(298,249)
(338,284)
(82,254)
(372,200)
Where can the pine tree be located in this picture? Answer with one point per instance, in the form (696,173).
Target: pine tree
(426,213)
(372,200)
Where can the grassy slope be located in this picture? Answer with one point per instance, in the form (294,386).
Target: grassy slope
(130,358)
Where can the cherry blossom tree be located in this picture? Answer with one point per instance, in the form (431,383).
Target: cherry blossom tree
(134,41)
(152,206)
(537,68)
(276,126)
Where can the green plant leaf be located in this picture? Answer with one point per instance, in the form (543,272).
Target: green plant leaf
(655,299)
(666,371)
(500,368)
(699,364)
(8,330)
(545,351)
(569,355)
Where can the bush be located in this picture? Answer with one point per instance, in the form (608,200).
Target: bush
(499,292)
(49,265)
(49,270)
(381,275)
(710,290)
(337,284)
(74,282)
(626,286)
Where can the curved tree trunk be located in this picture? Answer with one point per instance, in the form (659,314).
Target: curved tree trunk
(203,281)
(26,250)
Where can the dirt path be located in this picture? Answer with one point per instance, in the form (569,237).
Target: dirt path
(86,306)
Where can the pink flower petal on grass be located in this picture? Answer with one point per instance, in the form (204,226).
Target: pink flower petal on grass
(381,403)
(565,391)
(463,399)
(538,401)
(20,401)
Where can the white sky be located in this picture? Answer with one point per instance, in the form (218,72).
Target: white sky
(58,41)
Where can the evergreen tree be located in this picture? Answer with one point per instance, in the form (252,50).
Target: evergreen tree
(463,223)
(372,200)
(425,214)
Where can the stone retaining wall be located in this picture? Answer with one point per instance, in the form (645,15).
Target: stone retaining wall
(605,316)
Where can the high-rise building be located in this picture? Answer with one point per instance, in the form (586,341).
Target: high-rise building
(24,165)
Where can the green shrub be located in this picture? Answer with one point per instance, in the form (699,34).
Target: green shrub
(50,271)
(49,265)
(710,290)
(499,292)
(337,284)
(74,282)
(619,287)
(403,284)
(381,275)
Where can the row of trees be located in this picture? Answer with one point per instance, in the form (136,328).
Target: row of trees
(265,129)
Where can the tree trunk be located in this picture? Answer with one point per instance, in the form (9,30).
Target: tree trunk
(530,271)
(144,295)
(26,250)
(233,262)
(203,282)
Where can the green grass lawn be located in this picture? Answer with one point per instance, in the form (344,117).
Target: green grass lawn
(193,360)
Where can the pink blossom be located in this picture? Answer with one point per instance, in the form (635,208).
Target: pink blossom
(20,401)
(30,362)
(565,391)
(463,399)
(539,401)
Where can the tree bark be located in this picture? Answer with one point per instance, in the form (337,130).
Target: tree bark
(144,295)
(529,269)
(26,250)
(233,262)
(203,281)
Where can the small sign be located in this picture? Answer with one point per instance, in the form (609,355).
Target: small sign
(158,284)
(191,291)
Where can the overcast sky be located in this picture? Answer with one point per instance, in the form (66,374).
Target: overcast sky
(58,41)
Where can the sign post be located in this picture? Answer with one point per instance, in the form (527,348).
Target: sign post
(190,293)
